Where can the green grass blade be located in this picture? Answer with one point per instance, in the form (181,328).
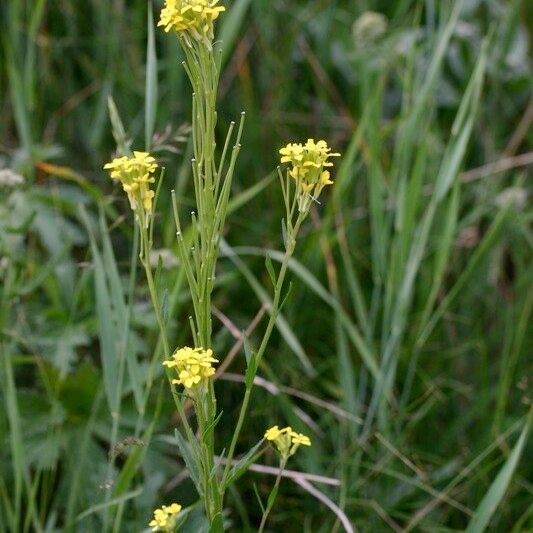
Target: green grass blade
(241,199)
(122,312)
(20,110)
(151,82)
(119,133)
(486,244)
(500,485)
(111,503)
(231,25)
(106,321)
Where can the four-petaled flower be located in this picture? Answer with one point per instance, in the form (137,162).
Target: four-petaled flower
(273,433)
(165,518)
(300,438)
(193,365)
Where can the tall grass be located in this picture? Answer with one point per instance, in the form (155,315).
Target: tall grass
(404,348)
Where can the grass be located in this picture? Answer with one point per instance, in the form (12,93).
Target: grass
(404,346)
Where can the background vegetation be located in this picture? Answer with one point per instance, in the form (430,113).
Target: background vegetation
(405,347)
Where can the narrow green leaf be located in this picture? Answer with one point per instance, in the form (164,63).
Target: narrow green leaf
(286,297)
(248,352)
(272,496)
(119,133)
(241,467)
(191,461)
(121,313)
(151,82)
(111,503)
(480,252)
(461,129)
(270,270)
(259,499)
(284,232)
(231,25)
(211,426)
(251,363)
(164,305)
(20,111)
(106,329)
(245,196)
(499,486)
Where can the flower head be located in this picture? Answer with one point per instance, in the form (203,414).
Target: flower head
(273,433)
(281,438)
(193,365)
(297,440)
(286,440)
(300,438)
(165,518)
(308,162)
(135,174)
(191,18)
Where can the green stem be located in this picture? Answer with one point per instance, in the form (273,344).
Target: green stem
(266,337)
(204,80)
(145,260)
(272,496)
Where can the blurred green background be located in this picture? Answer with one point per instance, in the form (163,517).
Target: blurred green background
(405,345)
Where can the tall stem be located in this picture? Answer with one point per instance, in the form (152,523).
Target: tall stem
(203,74)
(145,260)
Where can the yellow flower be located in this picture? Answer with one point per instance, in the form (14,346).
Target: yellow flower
(165,518)
(135,174)
(308,168)
(281,438)
(193,365)
(273,433)
(297,440)
(191,18)
(286,440)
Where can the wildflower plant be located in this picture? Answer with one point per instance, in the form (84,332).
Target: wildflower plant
(191,370)
(286,442)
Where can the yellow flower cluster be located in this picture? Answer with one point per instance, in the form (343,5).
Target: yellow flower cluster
(308,163)
(286,440)
(136,174)
(194,17)
(193,365)
(165,518)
